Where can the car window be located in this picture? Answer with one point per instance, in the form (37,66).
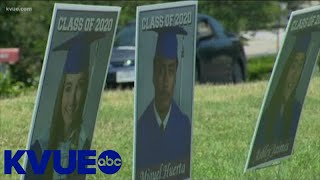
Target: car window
(126,36)
(204,29)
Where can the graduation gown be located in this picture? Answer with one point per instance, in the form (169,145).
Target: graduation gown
(156,148)
(39,146)
(277,132)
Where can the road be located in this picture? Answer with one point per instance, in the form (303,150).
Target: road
(263,42)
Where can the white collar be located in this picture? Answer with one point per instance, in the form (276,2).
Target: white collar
(165,121)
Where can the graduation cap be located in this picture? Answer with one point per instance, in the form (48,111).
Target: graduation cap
(78,49)
(167,43)
(302,42)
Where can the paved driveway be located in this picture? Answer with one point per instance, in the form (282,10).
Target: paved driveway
(263,42)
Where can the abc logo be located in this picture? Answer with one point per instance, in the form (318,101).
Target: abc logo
(109,162)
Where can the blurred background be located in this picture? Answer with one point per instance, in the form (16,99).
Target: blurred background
(259,26)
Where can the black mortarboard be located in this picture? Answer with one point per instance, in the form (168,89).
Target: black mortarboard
(167,43)
(78,49)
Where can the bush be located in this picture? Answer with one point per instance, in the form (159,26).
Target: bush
(260,68)
(9,88)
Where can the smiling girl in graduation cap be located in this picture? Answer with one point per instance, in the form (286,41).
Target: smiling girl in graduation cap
(65,132)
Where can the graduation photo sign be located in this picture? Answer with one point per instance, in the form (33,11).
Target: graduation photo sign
(165,54)
(276,128)
(72,80)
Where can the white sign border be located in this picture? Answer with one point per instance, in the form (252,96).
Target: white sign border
(71,7)
(277,62)
(159,7)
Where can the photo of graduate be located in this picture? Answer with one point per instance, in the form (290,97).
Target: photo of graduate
(279,121)
(66,131)
(163,130)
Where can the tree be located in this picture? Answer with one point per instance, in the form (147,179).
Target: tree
(238,16)
(29,30)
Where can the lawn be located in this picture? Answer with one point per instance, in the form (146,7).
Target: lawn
(223,124)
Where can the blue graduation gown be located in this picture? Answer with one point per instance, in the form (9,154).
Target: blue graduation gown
(38,149)
(281,131)
(283,127)
(155,147)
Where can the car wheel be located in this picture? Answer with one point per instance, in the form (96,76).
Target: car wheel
(237,73)
(196,74)
(222,68)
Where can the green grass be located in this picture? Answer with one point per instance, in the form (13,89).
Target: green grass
(223,124)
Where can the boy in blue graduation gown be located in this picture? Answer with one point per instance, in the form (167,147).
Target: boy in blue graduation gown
(163,131)
(280,119)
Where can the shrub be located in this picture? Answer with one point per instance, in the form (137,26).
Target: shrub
(260,68)
(9,88)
